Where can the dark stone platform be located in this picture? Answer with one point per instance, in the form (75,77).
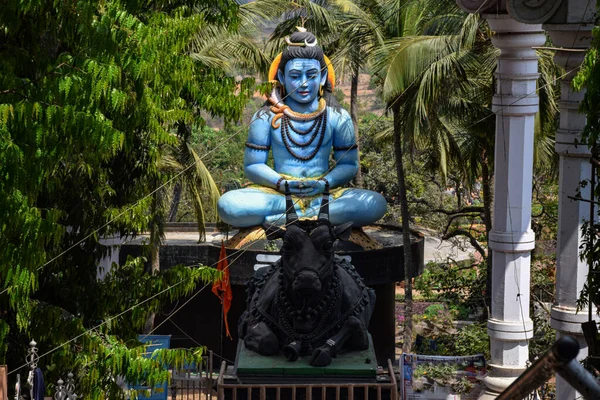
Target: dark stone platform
(348,367)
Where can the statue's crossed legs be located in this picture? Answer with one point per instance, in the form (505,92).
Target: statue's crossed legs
(252,206)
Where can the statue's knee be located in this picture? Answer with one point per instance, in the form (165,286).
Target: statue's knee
(235,209)
(379,206)
(225,208)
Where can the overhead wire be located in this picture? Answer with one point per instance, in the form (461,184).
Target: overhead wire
(170,180)
(244,249)
(154,191)
(505,153)
(181,281)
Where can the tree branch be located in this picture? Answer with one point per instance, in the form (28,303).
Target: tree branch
(462,210)
(451,219)
(14,90)
(467,234)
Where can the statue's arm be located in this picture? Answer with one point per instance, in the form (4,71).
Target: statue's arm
(345,152)
(256,153)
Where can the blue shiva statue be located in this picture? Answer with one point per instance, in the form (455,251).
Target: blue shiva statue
(301,124)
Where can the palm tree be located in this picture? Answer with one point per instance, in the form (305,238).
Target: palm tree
(443,77)
(366,27)
(215,46)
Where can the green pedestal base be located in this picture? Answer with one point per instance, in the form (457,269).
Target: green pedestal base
(353,366)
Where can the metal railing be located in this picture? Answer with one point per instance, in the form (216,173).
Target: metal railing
(560,358)
(323,391)
(194,383)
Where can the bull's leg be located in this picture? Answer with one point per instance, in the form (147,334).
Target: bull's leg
(359,340)
(261,339)
(292,351)
(321,356)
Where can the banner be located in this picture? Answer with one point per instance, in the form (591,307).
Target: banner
(441,377)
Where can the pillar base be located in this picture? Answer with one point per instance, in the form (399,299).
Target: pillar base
(498,379)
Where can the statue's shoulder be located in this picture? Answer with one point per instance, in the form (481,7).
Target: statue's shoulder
(264,115)
(338,117)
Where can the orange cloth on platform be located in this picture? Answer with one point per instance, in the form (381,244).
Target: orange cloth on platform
(222,287)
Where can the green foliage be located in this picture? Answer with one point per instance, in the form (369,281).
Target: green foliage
(117,310)
(444,374)
(545,208)
(472,339)
(461,286)
(589,78)
(590,252)
(461,289)
(109,359)
(226,161)
(94,97)
(543,278)
(441,338)
(379,173)
(433,310)
(544,335)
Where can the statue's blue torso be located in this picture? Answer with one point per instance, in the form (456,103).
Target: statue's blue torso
(338,122)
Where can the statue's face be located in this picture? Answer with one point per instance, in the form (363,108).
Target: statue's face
(302,79)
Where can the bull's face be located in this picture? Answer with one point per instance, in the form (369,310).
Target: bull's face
(307,252)
(308,258)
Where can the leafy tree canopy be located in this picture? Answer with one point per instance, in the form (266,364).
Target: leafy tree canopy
(91,95)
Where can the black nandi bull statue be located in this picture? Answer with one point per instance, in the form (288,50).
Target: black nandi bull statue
(310,301)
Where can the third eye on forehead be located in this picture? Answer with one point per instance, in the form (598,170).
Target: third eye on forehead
(297,66)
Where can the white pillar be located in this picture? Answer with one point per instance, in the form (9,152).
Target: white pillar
(571,272)
(511,238)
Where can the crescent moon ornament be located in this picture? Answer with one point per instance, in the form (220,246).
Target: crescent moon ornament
(313,44)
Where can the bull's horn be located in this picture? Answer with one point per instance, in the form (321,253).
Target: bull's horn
(290,213)
(324,211)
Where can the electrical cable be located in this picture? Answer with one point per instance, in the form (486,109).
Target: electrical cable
(242,250)
(505,153)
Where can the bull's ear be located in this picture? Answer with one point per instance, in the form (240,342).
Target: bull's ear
(343,231)
(273,231)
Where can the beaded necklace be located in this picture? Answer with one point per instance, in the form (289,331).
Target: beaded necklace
(287,312)
(319,124)
(323,310)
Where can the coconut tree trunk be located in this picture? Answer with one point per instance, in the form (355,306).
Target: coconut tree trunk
(487,217)
(156,227)
(175,202)
(354,115)
(408,270)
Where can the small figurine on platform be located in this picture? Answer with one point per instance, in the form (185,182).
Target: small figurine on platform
(301,124)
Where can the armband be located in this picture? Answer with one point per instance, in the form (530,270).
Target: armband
(352,147)
(278,184)
(257,146)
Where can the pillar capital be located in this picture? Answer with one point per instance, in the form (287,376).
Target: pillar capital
(481,6)
(532,12)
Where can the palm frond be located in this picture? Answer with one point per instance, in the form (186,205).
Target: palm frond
(403,60)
